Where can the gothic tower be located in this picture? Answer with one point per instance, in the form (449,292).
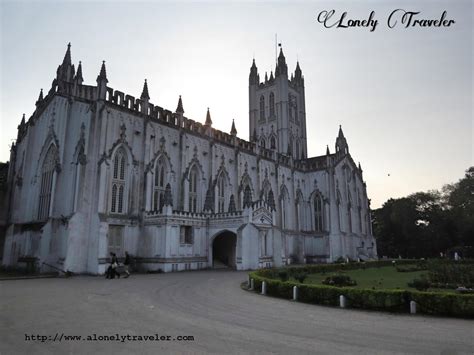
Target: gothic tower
(277,115)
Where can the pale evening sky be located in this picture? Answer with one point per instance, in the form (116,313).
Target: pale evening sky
(403,96)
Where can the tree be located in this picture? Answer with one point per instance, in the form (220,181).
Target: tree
(427,223)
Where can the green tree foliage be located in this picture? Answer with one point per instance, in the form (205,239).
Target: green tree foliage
(427,223)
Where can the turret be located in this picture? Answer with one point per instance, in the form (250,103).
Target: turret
(341,144)
(65,71)
(40,98)
(180,108)
(281,68)
(145,97)
(208,122)
(253,77)
(233,130)
(298,78)
(78,78)
(102,82)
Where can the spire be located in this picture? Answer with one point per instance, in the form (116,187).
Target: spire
(40,98)
(22,120)
(253,77)
(144,95)
(341,143)
(327,150)
(103,73)
(180,108)
(65,71)
(271,76)
(266,77)
(208,118)
(233,131)
(67,56)
(360,168)
(78,77)
(341,134)
(281,67)
(298,73)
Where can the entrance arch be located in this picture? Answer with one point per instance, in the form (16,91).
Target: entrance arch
(224,250)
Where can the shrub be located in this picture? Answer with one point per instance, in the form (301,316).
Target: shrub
(339,280)
(300,277)
(447,271)
(436,303)
(283,275)
(411,268)
(421,284)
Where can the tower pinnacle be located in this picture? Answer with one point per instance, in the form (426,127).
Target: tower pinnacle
(180,108)
(67,56)
(145,95)
(233,130)
(78,77)
(208,118)
(103,73)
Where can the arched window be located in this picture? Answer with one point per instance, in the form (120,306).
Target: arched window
(339,210)
(300,210)
(272,105)
(221,193)
(318,213)
(262,108)
(273,142)
(159,185)
(262,142)
(46,186)
(247,199)
(193,182)
(349,212)
(297,149)
(284,199)
(118,182)
(295,107)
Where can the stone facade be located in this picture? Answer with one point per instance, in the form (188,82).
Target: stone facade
(95,171)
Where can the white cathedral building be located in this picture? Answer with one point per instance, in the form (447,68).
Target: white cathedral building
(95,171)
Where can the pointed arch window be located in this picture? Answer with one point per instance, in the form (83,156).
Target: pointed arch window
(262,108)
(273,142)
(297,149)
(193,190)
(159,185)
(118,182)
(247,199)
(339,210)
(318,213)
(349,213)
(272,105)
(221,194)
(262,142)
(300,210)
(46,186)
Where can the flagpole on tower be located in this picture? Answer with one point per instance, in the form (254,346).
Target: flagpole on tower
(276,60)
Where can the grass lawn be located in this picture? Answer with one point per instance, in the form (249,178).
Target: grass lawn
(385,277)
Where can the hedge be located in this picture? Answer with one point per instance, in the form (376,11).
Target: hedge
(435,303)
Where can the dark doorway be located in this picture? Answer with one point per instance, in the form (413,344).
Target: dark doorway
(223,250)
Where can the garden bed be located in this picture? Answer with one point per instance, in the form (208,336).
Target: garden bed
(379,286)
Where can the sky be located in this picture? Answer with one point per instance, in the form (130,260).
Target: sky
(404,96)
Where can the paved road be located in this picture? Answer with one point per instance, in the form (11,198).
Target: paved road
(211,307)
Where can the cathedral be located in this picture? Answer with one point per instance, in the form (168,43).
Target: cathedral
(95,171)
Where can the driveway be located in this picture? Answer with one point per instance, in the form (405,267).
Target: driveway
(211,311)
